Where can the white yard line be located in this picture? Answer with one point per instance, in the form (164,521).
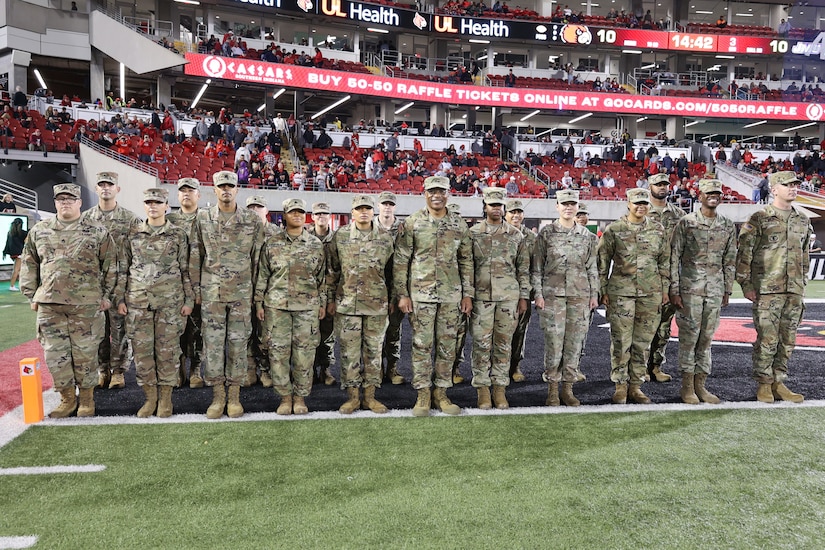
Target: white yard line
(44,470)
(18,542)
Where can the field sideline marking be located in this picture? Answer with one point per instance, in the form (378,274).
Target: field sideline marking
(18,542)
(45,470)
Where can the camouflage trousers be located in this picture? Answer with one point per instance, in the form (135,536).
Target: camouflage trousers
(191,341)
(776,317)
(70,336)
(697,321)
(114,353)
(360,338)
(226,329)
(633,321)
(291,337)
(256,355)
(325,351)
(492,325)
(517,345)
(564,321)
(155,336)
(392,339)
(662,336)
(434,323)
(461,339)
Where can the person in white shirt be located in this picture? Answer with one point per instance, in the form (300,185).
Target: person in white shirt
(608,181)
(566,180)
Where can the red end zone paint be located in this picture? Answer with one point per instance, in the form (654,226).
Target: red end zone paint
(10,396)
(740,329)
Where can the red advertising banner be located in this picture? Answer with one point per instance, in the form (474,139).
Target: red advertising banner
(293,76)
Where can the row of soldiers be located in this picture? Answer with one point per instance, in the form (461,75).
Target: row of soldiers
(256,286)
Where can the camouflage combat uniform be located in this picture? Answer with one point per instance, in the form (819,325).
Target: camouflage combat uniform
(773,261)
(502,276)
(191,341)
(68,269)
(290,289)
(564,273)
(325,353)
(517,345)
(702,267)
(640,276)
(356,282)
(392,340)
(157,287)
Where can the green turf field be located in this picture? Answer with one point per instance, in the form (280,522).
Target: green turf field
(711,479)
(18,324)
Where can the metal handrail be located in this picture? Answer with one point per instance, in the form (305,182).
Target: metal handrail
(23,196)
(129,161)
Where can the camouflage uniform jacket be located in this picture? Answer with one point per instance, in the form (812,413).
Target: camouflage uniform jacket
(393,229)
(187,223)
(118,222)
(224,255)
(73,264)
(668,217)
(773,255)
(530,243)
(388,272)
(157,260)
(640,255)
(564,262)
(703,256)
(433,259)
(292,273)
(502,262)
(356,272)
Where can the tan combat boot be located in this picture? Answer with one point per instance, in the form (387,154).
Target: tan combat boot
(552,395)
(68,404)
(351,404)
(195,380)
(457,378)
(702,393)
(688,391)
(484,402)
(371,403)
(117,381)
(285,407)
(567,396)
(764,393)
(422,403)
(499,399)
(636,395)
(148,408)
(395,377)
(517,375)
(659,375)
(443,402)
(298,405)
(620,395)
(251,377)
(87,402)
(103,379)
(329,380)
(781,391)
(215,410)
(234,409)
(266,379)
(164,402)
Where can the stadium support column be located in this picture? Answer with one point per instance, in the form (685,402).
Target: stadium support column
(299,104)
(436,115)
(471,119)
(629,124)
(164,90)
(97,78)
(821,129)
(16,65)
(675,128)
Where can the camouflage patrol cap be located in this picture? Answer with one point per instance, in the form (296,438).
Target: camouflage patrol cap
(294,204)
(225,177)
(67,188)
(436,182)
(515,204)
(494,195)
(386,196)
(362,200)
(710,185)
(782,178)
(155,194)
(256,200)
(320,208)
(582,209)
(638,195)
(111,177)
(189,182)
(659,179)
(454,207)
(567,195)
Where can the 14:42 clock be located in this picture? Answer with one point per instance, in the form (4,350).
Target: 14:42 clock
(693,42)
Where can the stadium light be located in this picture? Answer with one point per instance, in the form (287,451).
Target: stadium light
(575,120)
(530,115)
(404,107)
(279,93)
(331,107)
(200,94)
(791,129)
(123,82)
(752,124)
(40,79)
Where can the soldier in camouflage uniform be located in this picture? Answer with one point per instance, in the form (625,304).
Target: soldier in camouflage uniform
(502,292)
(225,266)
(191,341)
(325,354)
(463,325)
(290,299)
(667,214)
(114,356)
(566,280)
(433,279)
(633,291)
(357,297)
(69,272)
(771,267)
(702,269)
(387,221)
(256,355)
(583,218)
(158,299)
(515,217)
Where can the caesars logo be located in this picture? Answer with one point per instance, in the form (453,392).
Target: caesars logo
(575,34)
(814,111)
(214,67)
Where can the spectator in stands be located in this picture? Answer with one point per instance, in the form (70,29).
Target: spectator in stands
(642,182)
(608,181)
(784,27)
(145,150)
(735,156)
(318,60)
(566,180)
(36,142)
(816,244)
(19,99)
(721,22)
(682,166)
(323,141)
(510,80)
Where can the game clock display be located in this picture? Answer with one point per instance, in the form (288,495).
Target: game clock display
(692,42)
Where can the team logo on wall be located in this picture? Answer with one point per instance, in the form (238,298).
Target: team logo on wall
(305,5)
(214,66)
(575,34)
(419,21)
(814,111)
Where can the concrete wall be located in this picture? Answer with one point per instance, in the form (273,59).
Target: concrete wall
(132,181)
